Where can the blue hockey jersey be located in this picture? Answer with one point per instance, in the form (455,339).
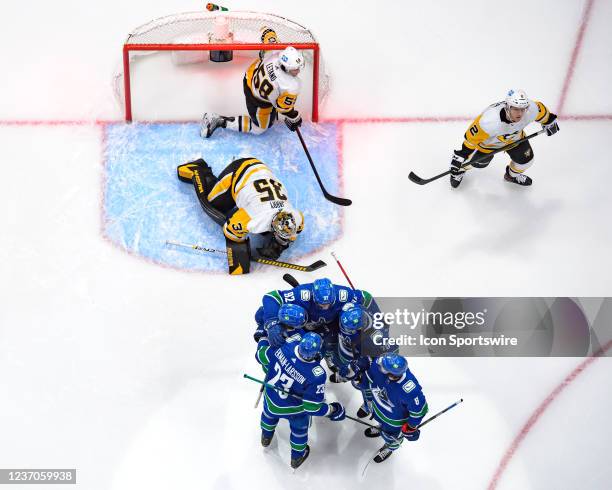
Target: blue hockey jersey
(302,295)
(396,402)
(304,380)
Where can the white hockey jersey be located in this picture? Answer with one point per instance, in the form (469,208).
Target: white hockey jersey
(491,130)
(258,195)
(269,83)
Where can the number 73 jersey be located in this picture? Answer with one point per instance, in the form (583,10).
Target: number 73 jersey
(258,195)
(269,83)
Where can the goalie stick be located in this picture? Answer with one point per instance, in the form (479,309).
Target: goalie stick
(421,181)
(287,265)
(340,201)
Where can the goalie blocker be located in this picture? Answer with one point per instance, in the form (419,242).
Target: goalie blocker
(245,198)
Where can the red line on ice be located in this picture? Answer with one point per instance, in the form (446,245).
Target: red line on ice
(535,416)
(341,120)
(569,75)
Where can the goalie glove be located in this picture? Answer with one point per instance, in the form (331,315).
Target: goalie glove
(274,248)
(293,120)
(551,126)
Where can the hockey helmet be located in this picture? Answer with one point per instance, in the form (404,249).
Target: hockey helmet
(293,316)
(323,293)
(517,98)
(290,59)
(351,320)
(309,347)
(393,365)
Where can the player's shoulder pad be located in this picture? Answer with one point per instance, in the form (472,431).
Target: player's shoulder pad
(275,296)
(363,297)
(318,371)
(293,339)
(302,293)
(490,118)
(344,293)
(288,84)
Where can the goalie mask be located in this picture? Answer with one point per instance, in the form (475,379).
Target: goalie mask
(284,226)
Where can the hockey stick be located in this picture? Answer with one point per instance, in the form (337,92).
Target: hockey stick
(422,424)
(292,281)
(340,201)
(272,387)
(421,181)
(259,396)
(342,269)
(303,268)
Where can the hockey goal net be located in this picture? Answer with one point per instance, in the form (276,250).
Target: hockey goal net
(192,38)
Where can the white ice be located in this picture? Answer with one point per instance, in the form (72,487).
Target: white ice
(132,373)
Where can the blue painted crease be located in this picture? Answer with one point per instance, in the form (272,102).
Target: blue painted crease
(145,204)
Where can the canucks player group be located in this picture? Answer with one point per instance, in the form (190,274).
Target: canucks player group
(298,328)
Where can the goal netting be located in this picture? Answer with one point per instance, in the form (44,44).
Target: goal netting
(183,46)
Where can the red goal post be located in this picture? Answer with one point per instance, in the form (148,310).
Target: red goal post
(195,31)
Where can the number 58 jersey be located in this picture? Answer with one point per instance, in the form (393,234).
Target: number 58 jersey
(258,195)
(269,83)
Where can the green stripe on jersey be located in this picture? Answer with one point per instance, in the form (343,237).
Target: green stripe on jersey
(388,420)
(275,295)
(311,406)
(262,355)
(421,413)
(276,410)
(367,299)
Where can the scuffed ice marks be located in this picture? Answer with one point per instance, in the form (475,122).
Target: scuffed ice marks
(145,204)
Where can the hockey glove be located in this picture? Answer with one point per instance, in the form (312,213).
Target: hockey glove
(274,248)
(354,368)
(551,126)
(410,433)
(275,334)
(293,122)
(337,412)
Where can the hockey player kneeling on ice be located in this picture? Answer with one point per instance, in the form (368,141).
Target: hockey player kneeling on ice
(502,124)
(245,198)
(271,86)
(393,396)
(294,368)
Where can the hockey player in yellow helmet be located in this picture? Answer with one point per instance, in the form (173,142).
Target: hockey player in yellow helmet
(499,125)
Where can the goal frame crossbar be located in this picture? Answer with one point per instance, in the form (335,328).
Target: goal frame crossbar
(127,48)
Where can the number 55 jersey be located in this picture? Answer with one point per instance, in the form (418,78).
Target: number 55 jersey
(250,186)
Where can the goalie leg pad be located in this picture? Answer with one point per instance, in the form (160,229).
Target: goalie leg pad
(202,179)
(238,257)
(185,172)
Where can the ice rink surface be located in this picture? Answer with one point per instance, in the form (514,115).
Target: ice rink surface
(132,372)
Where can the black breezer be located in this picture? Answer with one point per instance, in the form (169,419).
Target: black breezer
(254,103)
(520,154)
